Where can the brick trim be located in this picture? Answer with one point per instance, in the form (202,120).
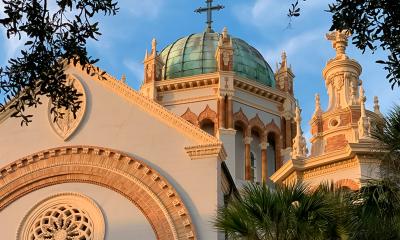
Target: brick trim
(142,185)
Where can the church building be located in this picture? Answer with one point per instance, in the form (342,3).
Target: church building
(156,163)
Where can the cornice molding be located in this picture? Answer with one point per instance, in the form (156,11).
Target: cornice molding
(259,89)
(198,81)
(207,151)
(329,168)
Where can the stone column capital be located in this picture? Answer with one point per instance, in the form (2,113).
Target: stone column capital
(247,140)
(264,145)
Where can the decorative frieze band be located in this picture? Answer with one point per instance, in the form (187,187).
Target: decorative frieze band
(206,151)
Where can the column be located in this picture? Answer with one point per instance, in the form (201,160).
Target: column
(221,112)
(229,112)
(264,161)
(247,165)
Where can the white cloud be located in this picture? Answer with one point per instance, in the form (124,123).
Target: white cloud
(292,45)
(136,68)
(143,8)
(272,12)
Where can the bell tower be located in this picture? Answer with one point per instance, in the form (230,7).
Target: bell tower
(284,76)
(346,120)
(153,66)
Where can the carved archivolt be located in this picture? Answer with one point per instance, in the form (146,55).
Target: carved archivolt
(142,185)
(190,117)
(240,117)
(208,114)
(256,124)
(272,127)
(63,216)
(67,124)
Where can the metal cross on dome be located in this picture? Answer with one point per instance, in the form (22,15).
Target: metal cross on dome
(209,10)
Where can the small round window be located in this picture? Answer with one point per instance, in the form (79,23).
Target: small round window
(334,122)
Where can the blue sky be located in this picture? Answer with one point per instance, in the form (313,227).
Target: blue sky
(262,23)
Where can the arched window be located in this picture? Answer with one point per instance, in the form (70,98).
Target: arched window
(271,154)
(239,152)
(208,126)
(253,166)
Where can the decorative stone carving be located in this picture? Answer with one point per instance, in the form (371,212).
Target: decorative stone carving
(364,126)
(299,142)
(376,107)
(226,56)
(64,127)
(209,114)
(240,117)
(257,124)
(190,117)
(224,52)
(287,109)
(339,41)
(318,110)
(64,216)
(272,127)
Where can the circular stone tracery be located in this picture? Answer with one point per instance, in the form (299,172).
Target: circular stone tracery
(65,216)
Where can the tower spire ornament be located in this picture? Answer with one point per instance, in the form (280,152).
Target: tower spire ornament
(364,122)
(209,10)
(339,41)
(299,142)
(318,110)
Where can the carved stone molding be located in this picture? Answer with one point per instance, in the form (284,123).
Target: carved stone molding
(66,125)
(190,117)
(205,151)
(61,216)
(141,184)
(208,114)
(257,124)
(329,168)
(240,117)
(272,127)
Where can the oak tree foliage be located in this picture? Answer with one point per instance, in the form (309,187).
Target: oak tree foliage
(375,24)
(55,33)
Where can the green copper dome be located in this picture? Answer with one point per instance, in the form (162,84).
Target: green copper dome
(195,54)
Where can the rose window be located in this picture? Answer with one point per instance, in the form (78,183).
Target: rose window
(61,223)
(63,217)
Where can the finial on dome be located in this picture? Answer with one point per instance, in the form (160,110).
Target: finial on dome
(225,32)
(153,46)
(209,10)
(123,78)
(284,60)
(362,99)
(339,41)
(364,126)
(299,142)
(376,106)
(318,109)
